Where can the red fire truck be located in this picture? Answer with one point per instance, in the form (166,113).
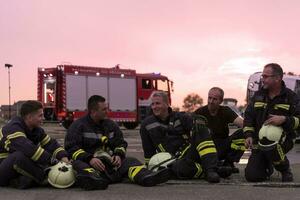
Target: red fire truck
(64,91)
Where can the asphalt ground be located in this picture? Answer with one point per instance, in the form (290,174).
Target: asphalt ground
(234,187)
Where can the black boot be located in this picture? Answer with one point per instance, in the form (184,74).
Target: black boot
(224,171)
(91,179)
(287,175)
(212,176)
(22,182)
(148,178)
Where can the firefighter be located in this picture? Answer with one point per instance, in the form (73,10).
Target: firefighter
(168,131)
(26,150)
(230,148)
(98,151)
(276,105)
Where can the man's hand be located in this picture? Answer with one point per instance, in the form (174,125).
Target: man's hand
(66,160)
(275,120)
(249,143)
(116,161)
(97,164)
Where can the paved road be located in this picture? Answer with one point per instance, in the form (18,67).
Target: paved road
(234,188)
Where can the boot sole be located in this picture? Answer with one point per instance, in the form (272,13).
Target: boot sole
(89,183)
(161,176)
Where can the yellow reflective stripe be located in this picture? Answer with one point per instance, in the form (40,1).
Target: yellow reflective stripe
(280,152)
(6,143)
(161,148)
(248,128)
(199,170)
(76,153)
(205,144)
(104,139)
(207,151)
(90,170)
(239,141)
(3,155)
(59,149)
(45,140)
(238,147)
(283,106)
(296,122)
(184,151)
(120,149)
(133,171)
(37,154)
(1,135)
(15,135)
(260,105)
(147,160)
(185,136)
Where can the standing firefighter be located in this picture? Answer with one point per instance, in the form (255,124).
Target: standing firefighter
(230,148)
(26,150)
(273,105)
(98,151)
(168,131)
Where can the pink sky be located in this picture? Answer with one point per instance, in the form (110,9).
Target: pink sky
(198,44)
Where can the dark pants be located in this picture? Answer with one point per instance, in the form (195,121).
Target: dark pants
(112,175)
(16,165)
(231,149)
(200,157)
(260,164)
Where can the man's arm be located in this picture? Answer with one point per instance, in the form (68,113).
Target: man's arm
(147,144)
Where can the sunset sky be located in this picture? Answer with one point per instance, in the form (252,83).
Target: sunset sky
(197,44)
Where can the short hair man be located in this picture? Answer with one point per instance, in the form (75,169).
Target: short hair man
(26,150)
(98,150)
(168,131)
(274,104)
(230,148)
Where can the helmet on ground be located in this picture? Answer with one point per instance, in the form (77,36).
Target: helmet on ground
(270,136)
(61,175)
(160,160)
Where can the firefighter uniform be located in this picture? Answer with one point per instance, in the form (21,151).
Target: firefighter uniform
(26,153)
(260,164)
(196,152)
(230,147)
(85,137)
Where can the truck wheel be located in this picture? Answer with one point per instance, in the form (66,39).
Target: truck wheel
(130,125)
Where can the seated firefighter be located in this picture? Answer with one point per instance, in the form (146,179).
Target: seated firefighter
(167,131)
(98,151)
(26,150)
(230,147)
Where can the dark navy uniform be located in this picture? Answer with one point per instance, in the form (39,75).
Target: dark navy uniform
(261,106)
(26,152)
(85,137)
(230,148)
(194,151)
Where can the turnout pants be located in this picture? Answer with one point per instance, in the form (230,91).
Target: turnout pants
(16,165)
(261,163)
(231,149)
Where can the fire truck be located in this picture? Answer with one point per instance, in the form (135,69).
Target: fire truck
(65,89)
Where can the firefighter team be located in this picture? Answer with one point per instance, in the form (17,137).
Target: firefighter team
(176,145)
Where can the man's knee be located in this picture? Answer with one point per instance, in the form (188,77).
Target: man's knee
(252,175)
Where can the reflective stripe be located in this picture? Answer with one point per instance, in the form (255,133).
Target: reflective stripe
(3,155)
(238,147)
(185,136)
(154,125)
(45,140)
(296,122)
(37,154)
(177,123)
(104,139)
(184,151)
(6,143)
(260,105)
(1,135)
(283,106)
(248,128)
(59,149)
(161,148)
(207,151)
(205,144)
(90,170)
(280,152)
(199,170)
(118,149)
(147,160)
(92,135)
(239,141)
(15,135)
(133,171)
(76,153)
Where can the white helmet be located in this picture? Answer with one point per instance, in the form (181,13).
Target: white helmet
(269,136)
(61,175)
(159,160)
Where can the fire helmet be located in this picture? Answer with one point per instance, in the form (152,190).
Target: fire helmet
(61,175)
(160,160)
(270,136)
